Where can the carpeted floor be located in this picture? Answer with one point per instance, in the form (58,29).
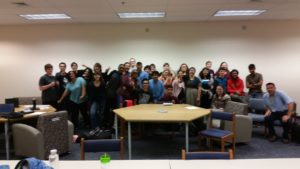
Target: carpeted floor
(164,147)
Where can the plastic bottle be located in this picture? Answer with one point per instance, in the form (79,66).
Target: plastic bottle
(54,159)
(105,160)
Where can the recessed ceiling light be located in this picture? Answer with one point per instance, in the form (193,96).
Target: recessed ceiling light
(45,16)
(238,12)
(142,15)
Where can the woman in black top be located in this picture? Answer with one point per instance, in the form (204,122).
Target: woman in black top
(96,92)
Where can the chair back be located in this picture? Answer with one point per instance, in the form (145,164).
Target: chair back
(54,128)
(222,115)
(101,145)
(257,105)
(238,108)
(206,155)
(6,108)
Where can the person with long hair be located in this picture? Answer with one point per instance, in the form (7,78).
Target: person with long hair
(207,86)
(76,89)
(193,88)
(96,93)
(220,98)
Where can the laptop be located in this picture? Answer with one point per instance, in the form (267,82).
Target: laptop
(14,101)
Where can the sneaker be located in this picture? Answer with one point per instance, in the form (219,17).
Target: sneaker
(285,141)
(273,138)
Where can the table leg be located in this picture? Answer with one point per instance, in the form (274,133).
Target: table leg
(6,139)
(116,126)
(187,137)
(129,140)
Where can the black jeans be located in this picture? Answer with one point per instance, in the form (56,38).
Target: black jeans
(269,120)
(74,109)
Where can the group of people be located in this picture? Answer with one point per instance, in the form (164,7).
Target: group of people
(95,93)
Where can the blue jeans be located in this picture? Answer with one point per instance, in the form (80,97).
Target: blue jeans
(97,113)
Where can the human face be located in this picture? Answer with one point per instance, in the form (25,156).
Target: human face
(62,67)
(155,77)
(180,74)
(192,72)
(169,91)
(208,65)
(49,71)
(219,90)
(205,72)
(121,68)
(139,67)
(166,67)
(146,85)
(252,71)
(72,76)
(127,67)
(271,89)
(183,68)
(234,75)
(132,62)
(221,73)
(224,65)
(97,69)
(152,68)
(74,67)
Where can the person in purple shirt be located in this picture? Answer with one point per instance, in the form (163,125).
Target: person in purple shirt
(279,106)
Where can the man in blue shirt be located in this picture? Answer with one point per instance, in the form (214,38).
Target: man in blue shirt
(141,74)
(156,87)
(279,106)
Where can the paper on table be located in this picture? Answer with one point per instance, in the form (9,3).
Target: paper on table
(191,107)
(38,113)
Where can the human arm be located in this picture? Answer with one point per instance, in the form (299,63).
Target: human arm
(63,96)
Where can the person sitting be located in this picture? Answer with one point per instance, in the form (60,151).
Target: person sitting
(235,86)
(220,98)
(279,107)
(169,96)
(144,95)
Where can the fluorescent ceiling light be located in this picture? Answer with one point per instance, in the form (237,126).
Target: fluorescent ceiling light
(45,16)
(238,12)
(142,15)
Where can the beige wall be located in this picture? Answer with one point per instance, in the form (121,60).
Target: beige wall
(272,45)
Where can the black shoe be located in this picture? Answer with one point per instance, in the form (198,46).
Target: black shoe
(272,138)
(285,141)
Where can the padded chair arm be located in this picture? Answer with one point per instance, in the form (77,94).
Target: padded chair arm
(70,134)
(28,141)
(243,128)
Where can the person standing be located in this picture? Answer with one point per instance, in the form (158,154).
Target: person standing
(279,107)
(254,82)
(193,88)
(156,87)
(62,79)
(96,93)
(48,86)
(76,89)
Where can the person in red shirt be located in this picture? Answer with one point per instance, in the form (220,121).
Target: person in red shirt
(169,96)
(235,85)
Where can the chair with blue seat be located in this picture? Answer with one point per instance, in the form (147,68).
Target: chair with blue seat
(257,110)
(102,145)
(206,155)
(6,108)
(217,134)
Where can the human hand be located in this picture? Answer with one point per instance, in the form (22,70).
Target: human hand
(285,118)
(268,113)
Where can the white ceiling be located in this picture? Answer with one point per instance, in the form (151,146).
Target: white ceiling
(104,11)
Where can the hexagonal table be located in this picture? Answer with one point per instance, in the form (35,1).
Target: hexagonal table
(159,113)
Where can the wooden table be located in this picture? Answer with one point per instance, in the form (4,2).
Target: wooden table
(43,109)
(159,113)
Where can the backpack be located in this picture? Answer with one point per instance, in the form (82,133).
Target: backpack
(32,163)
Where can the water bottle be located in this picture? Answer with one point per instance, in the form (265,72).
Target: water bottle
(105,160)
(54,159)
